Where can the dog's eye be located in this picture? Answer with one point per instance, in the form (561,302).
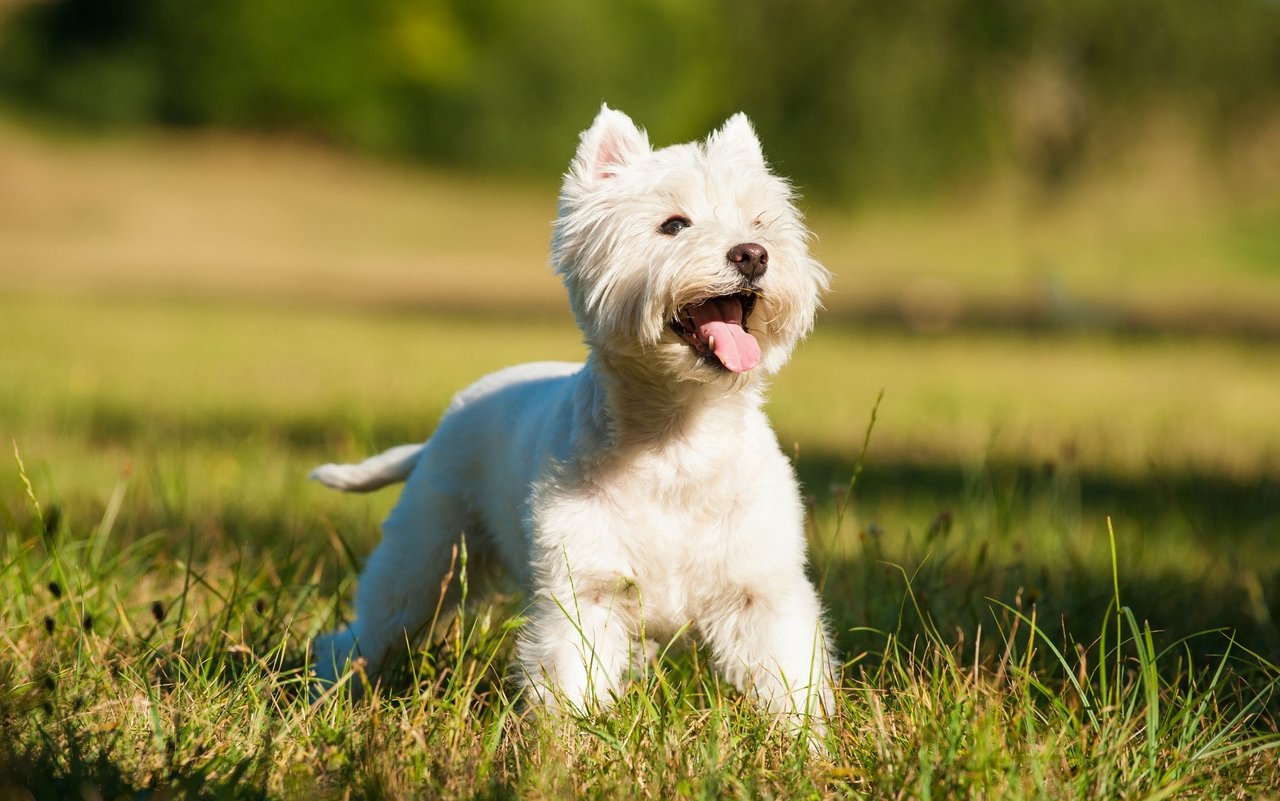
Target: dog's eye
(674,225)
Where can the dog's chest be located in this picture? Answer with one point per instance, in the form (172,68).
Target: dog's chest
(678,526)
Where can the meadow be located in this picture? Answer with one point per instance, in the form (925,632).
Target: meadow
(1047,551)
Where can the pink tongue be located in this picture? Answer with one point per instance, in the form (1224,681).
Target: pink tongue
(736,349)
(721,318)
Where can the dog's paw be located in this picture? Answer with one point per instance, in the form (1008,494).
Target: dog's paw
(331,656)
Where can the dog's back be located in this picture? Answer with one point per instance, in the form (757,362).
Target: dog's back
(394,465)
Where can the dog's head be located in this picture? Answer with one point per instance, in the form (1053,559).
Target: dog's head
(692,259)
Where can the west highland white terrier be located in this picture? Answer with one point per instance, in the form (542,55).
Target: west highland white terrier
(642,492)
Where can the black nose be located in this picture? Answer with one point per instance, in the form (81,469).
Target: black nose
(750,259)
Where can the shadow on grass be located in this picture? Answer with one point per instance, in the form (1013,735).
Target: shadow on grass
(947,544)
(1209,506)
(1212,506)
(106,424)
(82,766)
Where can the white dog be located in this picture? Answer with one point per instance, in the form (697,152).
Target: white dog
(643,491)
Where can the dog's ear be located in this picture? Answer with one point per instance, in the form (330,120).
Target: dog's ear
(738,139)
(612,141)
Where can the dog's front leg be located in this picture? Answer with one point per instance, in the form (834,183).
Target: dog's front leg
(577,644)
(769,641)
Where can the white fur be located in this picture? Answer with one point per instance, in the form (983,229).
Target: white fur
(640,492)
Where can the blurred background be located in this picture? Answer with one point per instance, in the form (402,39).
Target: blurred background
(241,236)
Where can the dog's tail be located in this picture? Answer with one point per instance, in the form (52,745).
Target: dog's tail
(388,467)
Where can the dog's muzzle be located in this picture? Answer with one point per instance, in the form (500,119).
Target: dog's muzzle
(717,329)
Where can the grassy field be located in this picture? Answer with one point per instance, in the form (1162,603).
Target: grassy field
(1056,575)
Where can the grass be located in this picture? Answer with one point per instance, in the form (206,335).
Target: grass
(1054,575)
(974,599)
(162,656)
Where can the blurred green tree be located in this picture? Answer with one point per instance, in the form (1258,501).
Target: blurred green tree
(853,96)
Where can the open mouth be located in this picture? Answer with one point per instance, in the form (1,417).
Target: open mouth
(717,329)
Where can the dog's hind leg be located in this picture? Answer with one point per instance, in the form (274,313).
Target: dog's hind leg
(401,585)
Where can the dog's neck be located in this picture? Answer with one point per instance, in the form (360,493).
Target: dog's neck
(636,408)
